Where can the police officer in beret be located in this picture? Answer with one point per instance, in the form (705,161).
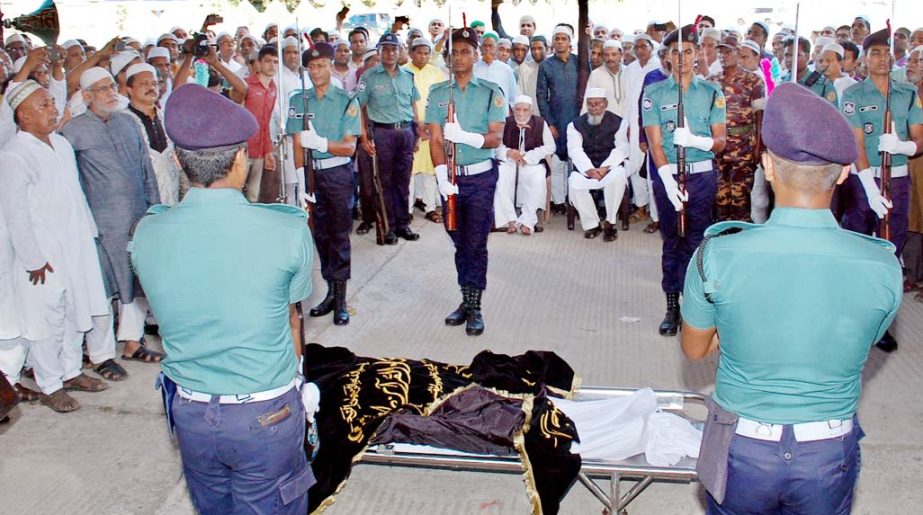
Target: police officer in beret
(480,112)
(222,277)
(864,107)
(387,94)
(797,303)
(703,135)
(334,125)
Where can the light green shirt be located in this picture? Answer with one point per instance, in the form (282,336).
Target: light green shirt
(387,99)
(864,107)
(703,103)
(219,274)
(477,106)
(333,117)
(798,303)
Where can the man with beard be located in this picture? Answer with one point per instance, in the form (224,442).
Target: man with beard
(528,71)
(120,182)
(597,142)
(527,142)
(611,79)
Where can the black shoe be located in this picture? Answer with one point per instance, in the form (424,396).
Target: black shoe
(458,316)
(474,322)
(418,204)
(625,225)
(390,239)
(340,313)
(538,228)
(610,233)
(407,234)
(364,228)
(592,233)
(887,343)
(672,319)
(326,305)
(558,209)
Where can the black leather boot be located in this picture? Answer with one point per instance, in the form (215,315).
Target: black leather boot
(672,319)
(459,316)
(475,322)
(326,305)
(887,342)
(340,313)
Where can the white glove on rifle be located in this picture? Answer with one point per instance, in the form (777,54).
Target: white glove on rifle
(891,144)
(301,194)
(311,139)
(683,137)
(879,204)
(446,188)
(454,133)
(669,183)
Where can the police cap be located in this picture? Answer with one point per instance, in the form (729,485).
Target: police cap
(320,51)
(688,36)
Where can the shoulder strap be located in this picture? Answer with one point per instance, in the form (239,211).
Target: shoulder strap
(717,230)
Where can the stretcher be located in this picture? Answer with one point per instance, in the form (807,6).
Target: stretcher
(689,405)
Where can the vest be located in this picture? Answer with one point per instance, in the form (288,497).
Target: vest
(598,140)
(533,137)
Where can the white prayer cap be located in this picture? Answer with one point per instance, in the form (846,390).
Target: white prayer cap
(139,68)
(528,18)
(15,38)
(562,29)
(420,42)
(289,41)
(18,64)
(628,38)
(711,33)
(643,37)
(69,43)
(92,76)
(504,43)
(224,35)
(269,26)
(149,42)
(174,29)
(523,99)
(823,41)
(164,37)
(601,27)
(21,92)
(120,60)
(521,40)
(611,43)
(835,48)
(751,45)
(130,40)
(595,93)
(915,50)
(251,37)
(158,52)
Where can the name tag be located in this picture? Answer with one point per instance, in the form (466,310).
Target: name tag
(866,109)
(669,107)
(381,87)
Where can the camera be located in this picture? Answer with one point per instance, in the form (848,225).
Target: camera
(197,45)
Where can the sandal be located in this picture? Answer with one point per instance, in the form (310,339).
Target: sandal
(434,217)
(27,394)
(652,227)
(144,355)
(85,383)
(60,401)
(110,370)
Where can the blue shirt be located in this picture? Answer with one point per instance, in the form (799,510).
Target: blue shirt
(387,99)
(556,91)
(798,303)
(476,107)
(864,107)
(219,274)
(704,106)
(333,117)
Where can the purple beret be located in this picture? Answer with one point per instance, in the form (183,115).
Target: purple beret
(882,37)
(200,119)
(800,126)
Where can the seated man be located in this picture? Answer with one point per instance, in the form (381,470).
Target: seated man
(597,142)
(527,141)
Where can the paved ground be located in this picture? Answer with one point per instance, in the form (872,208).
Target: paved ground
(596,304)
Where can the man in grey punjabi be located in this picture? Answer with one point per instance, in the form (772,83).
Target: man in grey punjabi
(119,181)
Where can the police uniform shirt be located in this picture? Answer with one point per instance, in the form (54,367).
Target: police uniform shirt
(480,104)
(334,117)
(222,273)
(864,107)
(798,303)
(387,99)
(704,106)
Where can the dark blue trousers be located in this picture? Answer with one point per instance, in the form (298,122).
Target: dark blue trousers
(333,221)
(860,218)
(677,251)
(236,460)
(475,213)
(394,148)
(789,477)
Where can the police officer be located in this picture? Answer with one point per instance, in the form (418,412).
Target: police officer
(387,94)
(815,81)
(334,125)
(798,303)
(703,135)
(864,107)
(232,345)
(480,111)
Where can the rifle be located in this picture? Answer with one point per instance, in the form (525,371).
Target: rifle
(308,154)
(681,150)
(522,145)
(451,218)
(884,231)
(381,212)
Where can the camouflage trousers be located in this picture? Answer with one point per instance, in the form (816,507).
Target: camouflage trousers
(736,168)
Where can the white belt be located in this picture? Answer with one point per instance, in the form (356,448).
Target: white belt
(330,162)
(474,169)
(896,171)
(243,398)
(695,167)
(804,432)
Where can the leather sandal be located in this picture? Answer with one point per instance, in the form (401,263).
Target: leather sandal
(85,383)
(60,401)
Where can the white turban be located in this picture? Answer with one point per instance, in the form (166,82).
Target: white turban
(562,29)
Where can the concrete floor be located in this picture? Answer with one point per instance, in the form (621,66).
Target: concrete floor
(596,304)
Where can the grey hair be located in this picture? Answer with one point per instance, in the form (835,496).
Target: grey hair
(207,166)
(812,179)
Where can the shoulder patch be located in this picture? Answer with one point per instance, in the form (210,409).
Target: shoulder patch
(831,96)
(719,101)
(498,100)
(352,112)
(849,108)
(919,103)
(284,208)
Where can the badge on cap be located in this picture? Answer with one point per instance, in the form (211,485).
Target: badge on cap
(869,128)
(849,108)
(465,34)
(315,54)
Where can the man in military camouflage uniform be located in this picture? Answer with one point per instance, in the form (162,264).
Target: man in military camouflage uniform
(737,164)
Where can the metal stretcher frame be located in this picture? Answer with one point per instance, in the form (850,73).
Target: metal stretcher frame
(635,468)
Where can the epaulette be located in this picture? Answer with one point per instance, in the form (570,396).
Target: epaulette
(885,244)
(284,208)
(439,85)
(714,231)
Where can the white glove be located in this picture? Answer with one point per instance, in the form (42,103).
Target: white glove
(446,188)
(311,139)
(683,137)
(301,196)
(310,398)
(879,204)
(669,183)
(891,144)
(454,133)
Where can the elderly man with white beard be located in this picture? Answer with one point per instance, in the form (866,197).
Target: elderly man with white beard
(597,143)
(57,279)
(526,143)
